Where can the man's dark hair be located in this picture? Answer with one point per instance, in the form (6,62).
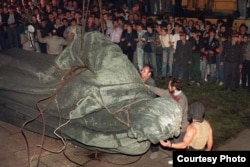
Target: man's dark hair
(223,25)
(65,19)
(208,23)
(74,19)
(138,24)
(194,30)
(212,30)
(43,20)
(150,26)
(224,35)
(115,20)
(176,82)
(244,25)
(177,25)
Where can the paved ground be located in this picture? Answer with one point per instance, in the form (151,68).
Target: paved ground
(13,152)
(240,143)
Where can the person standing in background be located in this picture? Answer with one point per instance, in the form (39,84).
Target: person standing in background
(3,19)
(166,39)
(231,59)
(13,20)
(178,10)
(128,41)
(210,49)
(72,31)
(149,48)
(195,72)
(158,50)
(183,58)
(139,46)
(115,32)
(242,8)
(246,67)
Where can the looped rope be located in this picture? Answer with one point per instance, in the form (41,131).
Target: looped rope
(72,73)
(123,109)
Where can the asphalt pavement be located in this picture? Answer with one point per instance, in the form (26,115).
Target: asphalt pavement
(14,152)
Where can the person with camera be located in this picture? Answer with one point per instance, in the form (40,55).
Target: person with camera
(27,38)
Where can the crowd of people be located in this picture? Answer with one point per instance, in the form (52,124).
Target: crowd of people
(197,51)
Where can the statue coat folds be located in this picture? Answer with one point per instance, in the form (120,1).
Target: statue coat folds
(92,94)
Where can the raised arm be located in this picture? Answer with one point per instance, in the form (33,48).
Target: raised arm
(158,91)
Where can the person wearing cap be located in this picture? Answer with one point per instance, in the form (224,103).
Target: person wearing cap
(231,59)
(199,133)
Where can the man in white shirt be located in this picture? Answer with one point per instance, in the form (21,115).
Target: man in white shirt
(116,32)
(106,18)
(166,39)
(139,46)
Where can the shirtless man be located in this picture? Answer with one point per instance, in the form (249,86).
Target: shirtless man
(199,134)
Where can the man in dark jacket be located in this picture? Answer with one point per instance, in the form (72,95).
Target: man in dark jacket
(182,58)
(210,49)
(128,41)
(12,22)
(149,48)
(231,59)
(195,72)
(2,31)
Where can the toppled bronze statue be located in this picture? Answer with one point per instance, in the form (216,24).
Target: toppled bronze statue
(92,95)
